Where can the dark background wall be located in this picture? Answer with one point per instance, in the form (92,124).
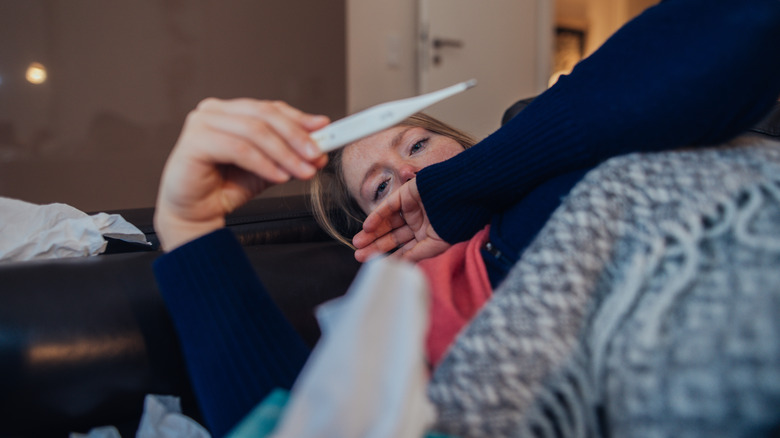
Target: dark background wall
(123,75)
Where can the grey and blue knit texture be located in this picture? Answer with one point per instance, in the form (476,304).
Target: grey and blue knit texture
(648,306)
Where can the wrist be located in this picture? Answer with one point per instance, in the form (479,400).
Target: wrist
(174,232)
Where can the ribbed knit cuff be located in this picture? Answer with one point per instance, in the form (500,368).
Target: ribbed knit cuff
(461,194)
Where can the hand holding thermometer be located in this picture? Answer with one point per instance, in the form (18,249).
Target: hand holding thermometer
(380,117)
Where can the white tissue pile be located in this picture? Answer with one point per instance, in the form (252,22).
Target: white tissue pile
(30,231)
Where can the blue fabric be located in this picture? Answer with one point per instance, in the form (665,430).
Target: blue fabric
(685,72)
(237,344)
(512,230)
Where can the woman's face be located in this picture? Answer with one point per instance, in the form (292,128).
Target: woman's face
(378,165)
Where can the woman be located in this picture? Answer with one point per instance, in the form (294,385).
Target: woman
(684,72)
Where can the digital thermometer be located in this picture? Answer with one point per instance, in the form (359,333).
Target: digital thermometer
(380,117)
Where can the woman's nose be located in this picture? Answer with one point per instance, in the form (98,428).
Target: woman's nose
(407,172)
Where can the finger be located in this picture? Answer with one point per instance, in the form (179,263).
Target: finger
(412,253)
(423,250)
(221,147)
(312,122)
(410,203)
(320,162)
(385,244)
(404,251)
(379,226)
(259,134)
(366,237)
(239,187)
(362,255)
(385,216)
(397,238)
(291,123)
(259,108)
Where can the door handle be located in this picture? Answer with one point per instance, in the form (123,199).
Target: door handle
(439,43)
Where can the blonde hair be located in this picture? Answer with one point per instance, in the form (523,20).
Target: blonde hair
(335,209)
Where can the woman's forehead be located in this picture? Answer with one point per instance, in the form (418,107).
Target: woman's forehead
(370,148)
(381,138)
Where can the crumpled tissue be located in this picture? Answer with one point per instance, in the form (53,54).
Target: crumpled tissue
(367,376)
(30,231)
(162,418)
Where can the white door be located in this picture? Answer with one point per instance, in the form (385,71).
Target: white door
(506,45)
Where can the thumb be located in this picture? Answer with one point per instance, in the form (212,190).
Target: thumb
(239,187)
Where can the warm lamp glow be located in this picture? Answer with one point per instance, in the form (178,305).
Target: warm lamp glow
(36,73)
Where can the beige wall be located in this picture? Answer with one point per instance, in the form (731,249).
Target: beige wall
(381,51)
(382,43)
(123,75)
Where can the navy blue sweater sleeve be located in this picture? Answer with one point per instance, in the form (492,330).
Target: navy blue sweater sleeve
(237,344)
(684,72)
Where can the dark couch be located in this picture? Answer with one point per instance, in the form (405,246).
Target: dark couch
(83,340)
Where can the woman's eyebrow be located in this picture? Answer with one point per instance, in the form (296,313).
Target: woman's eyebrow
(398,137)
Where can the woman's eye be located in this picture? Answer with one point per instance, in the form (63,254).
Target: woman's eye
(380,189)
(417,146)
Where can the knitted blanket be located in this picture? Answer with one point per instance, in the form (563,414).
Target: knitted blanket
(649,305)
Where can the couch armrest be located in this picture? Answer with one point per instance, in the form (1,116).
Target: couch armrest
(83,340)
(286,219)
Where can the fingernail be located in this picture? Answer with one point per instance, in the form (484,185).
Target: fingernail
(306,169)
(282,174)
(311,150)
